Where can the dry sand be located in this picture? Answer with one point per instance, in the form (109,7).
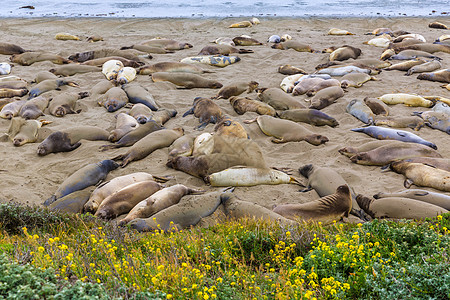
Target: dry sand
(27,178)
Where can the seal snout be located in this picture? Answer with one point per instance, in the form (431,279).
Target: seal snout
(139,224)
(41,150)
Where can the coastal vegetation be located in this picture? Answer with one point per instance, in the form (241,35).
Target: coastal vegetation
(47,255)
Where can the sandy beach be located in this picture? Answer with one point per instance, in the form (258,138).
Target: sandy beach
(28,178)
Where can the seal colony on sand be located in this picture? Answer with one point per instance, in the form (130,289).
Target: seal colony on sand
(137,116)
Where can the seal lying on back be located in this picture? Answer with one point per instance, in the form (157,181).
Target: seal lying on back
(326,209)
(287,131)
(394,134)
(88,175)
(186,80)
(438,199)
(206,111)
(399,208)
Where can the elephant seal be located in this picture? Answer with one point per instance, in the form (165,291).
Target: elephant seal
(12,109)
(350,151)
(360,110)
(111,68)
(138,94)
(422,175)
(438,163)
(236,209)
(151,142)
(34,108)
(65,103)
(167,44)
(124,124)
(406,99)
(72,69)
(171,67)
(345,52)
(377,106)
(241,24)
(425,67)
(437,25)
(344,70)
(399,208)
(287,131)
(69,139)
(297,46)
(439,107)
(182,146)
(311,86)
(439,199)
(133,136)
(220,61)
(147,49)
(229,127)
(163,115)
(29,58)
(72,203)
(337,31)
(98,62)
(411,54)
(44,75)
(394,134)
(243,105)
(88,55)
(439,76)
(384,155)
(181,215)
(8,49)
(23,131)
(160,200)
(236,89)
(141,112)
(311,116)
(9,93)
(290,70)
(326,97)
(221,49)
(356,80)
(428,47)
(406,65)
(114,99)
(186,80)
(326,209)
(49,85)
(62,36)
(436,120)
(101,87)
(112,186)
(5,101)
(206,111)
(125,75)
(246,41)
(278,99)
(88,175)
(122,201)
(412,122)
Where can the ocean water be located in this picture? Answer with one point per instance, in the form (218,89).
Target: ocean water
(223,8)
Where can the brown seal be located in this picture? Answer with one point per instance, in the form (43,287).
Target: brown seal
(439,76)
(246,41)
(311,116)
(377,106)
(102,87)
(243,105)
(326,97)
(8,49)
(114,99)
(171,67)
(160,200)
(34,108)
(125,199)
(147,49)
(350,151)
(406,65)
(100,61)
(44,75)
(345,52)
(124,124)
(9,93)
(437,25)
(422,175)
(163,115)
(326,209)
(399,208)
(290,70)
(222,50)
(229,127)
(206,110)
(287,131)
(320,85)
(29,58)
(142,113)
(182,146)
(100,53)
(438,163)
(236,89)
(438,199)
(426,67)
(412,122)
(297,46)
(151,142)
(49,85)
(186,80)
(65,103)
(167,44)
(69,139)
(72,203)
(72,69)
(428,47)
(278,99)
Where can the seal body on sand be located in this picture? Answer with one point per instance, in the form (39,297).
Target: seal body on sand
(125,62)
(383,155)
(72,69)
(311,116)
(394,134)
(138,94)
(440,76)
(171,67)
(246,41)
(221,49)
(158,201)
(350,151)
(29,58)
(110,187)
(181,215)
(49,85)
(124,124)
(34,108)
(326,209)
(441,107)
(12,109)
(9,93)
(23,131)
(149,143)
(101,87)
(141,112)
(126,75)
(422,175)
(161,116)
(436,120)
(238,209)
(43,75)
(88,175)
(425,67)
(8,49)
(344,53)
(114,99)
(297,46)
(243,105)
(360,110)
(236,89)
(69,139)
(168,44)
(355,80)
(311,86)
(186,80)
(182,146)
(287,131)
(206,110)
(400,122)
(278,99)
(148,49)
(406,65)
(326,97)
(229,127)
(399,208)
(72,203)
(377,106)
(290,70)
(436,162)
(65,103)
(85,56)
(126,198)
(438,199)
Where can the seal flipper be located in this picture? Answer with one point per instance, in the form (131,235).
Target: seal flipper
(50,200)
(408,182)
(189,112)
(202,126)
